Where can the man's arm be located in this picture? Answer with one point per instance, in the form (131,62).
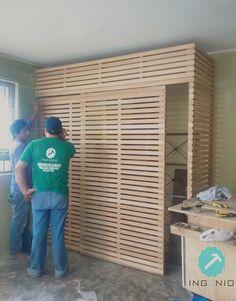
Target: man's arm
(35,111)
(34,116)
(63,134)
(21,181)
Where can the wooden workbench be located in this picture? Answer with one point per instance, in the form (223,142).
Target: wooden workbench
(223,286)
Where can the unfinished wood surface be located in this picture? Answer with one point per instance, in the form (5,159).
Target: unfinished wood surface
(205,218)
(200,125)
(163,66)
(167,66)
(116,207)
(115,112)
(62,108)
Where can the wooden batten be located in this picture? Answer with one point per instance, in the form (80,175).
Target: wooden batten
(115,111)
(130,71)
(200,125)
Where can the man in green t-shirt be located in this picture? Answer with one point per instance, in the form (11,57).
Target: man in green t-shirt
(50,158)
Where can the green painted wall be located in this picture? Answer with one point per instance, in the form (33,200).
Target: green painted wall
(224,147)
(5,212)
(23,74)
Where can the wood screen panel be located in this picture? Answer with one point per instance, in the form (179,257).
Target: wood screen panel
(200,125)
(141,189)
(114,109)
(123,177)
(69,114)
(163,66)
(116,207)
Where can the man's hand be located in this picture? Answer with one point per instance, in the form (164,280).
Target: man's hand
(28,194)
(36,106)
(35,110)
(63,134)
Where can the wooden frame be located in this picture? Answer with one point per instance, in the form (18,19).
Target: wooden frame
(114,110)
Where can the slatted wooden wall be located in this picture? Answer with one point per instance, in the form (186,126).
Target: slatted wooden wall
(164,66)
(200,124)
(117,177)
(68,109)
(115,112)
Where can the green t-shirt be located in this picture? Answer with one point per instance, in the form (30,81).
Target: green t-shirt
(50,159)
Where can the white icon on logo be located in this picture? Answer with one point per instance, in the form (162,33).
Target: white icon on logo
(50,153)
(216,257)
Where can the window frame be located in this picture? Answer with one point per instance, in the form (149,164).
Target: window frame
(15,115)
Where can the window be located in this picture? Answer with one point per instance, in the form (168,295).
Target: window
(7,114)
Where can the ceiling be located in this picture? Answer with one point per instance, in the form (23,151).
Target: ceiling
(53,32)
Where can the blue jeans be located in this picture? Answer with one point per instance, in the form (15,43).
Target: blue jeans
(48,208)
(20,234)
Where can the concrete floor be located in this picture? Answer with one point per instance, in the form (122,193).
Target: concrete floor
(91,280)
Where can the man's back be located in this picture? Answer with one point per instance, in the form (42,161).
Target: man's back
(50,159)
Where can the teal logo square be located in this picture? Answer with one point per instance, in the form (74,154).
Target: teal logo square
(211,261)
